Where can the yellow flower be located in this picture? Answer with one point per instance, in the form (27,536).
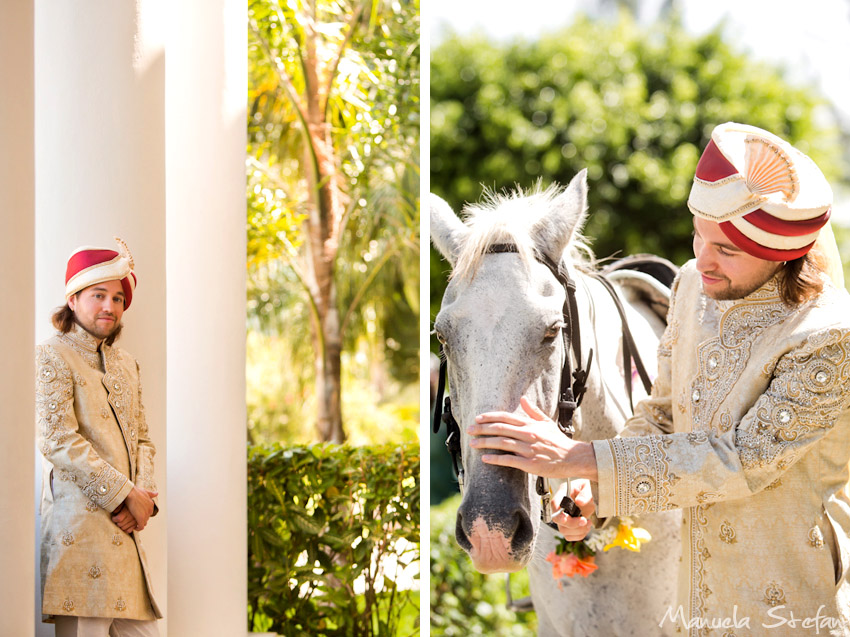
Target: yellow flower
(629,537)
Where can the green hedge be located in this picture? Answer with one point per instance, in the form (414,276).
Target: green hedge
(325,524)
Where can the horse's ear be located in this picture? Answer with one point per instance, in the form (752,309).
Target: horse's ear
(447,231)
(556,229)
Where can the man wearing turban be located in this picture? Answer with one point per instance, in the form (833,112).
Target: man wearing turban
(747,429)
(99,489)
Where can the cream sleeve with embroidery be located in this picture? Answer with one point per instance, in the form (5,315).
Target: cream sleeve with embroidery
(59,438)
(802,403)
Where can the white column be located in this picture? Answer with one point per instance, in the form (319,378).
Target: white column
(206,77)
(100,172)
(17,279)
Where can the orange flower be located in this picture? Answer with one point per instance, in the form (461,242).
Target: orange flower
(568,564)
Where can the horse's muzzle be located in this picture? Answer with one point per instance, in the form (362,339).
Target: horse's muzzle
(500,542)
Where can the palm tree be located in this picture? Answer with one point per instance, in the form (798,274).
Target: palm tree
(327,126)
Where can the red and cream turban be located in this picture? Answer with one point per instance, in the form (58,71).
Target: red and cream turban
(87,266)
(770,199)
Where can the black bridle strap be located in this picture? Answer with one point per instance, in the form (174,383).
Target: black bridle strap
(630,350)
(573,384)
(443,414)
(441,388)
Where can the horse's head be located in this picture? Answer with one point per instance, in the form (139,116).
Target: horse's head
(500,325)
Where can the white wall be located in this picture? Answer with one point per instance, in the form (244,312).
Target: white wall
(138,119)
(17,411)
(206,80)
(100,172)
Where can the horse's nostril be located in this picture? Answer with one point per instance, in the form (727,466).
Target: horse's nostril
(523,533)
(460,534)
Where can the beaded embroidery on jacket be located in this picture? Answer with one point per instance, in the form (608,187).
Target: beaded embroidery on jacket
(84,344)
(54,400)
(54,393)
(803,397)
(721,360)
(121,399)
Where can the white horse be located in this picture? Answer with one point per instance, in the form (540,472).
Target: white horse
(499,324)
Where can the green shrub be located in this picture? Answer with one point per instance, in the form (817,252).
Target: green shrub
(463,601)
(327,525)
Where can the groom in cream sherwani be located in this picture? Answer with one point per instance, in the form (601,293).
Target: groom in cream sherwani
(99,489)
(747,430)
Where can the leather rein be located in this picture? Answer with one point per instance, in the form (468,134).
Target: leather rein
(573,383)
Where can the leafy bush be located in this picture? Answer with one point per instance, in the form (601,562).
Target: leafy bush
(333,540)
(463,601)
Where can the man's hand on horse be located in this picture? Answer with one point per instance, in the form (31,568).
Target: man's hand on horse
(574,529)
(533,443)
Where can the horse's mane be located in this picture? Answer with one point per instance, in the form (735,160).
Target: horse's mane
(504,218)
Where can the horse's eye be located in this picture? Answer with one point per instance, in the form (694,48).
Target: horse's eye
(553,330)
(440,337)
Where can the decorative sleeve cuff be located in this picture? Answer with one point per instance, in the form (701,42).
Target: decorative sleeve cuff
(107,487)
(606,502)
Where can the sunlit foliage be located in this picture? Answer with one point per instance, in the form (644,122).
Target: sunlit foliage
(633,105)
(333,211)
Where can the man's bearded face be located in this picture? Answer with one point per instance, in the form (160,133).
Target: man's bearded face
(98,308)
(727,271)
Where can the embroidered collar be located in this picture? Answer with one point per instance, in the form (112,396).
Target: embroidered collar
(767,292)
(82,338)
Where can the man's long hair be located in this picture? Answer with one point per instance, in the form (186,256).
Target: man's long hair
(64,319)
(800,280)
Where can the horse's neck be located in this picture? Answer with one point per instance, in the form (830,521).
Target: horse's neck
(605,407)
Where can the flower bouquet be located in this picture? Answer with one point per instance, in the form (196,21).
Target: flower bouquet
(578,557)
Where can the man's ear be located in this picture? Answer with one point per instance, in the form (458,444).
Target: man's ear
(72,302)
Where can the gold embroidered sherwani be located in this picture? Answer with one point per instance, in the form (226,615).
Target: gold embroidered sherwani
(748,431)
(91,430)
